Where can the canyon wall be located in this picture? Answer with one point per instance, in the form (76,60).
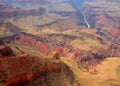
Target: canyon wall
(34,71)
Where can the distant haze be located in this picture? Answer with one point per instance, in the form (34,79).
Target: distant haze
(77,3)
(74,3)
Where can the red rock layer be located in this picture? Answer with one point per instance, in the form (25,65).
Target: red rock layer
(34,71)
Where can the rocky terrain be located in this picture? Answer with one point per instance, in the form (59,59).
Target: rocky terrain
(8,12)
(105,18)
(103,74)
(73,43)
(34,71)
(78,48)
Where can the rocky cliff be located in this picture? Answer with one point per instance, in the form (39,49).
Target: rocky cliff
(7,11)
(103,16)
(82,51)
(61,46)
(27,70)
(7,28)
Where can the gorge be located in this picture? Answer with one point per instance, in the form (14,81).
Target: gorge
(59,43)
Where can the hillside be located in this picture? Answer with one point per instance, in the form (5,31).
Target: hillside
(34,71)
(103,74)
(59,43)
(103,15)
(7,28)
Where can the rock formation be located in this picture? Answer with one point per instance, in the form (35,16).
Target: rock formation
(34,71)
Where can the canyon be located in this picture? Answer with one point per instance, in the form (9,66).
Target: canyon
(46,42)
(104,18)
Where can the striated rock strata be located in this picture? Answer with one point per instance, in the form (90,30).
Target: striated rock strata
(34,71)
